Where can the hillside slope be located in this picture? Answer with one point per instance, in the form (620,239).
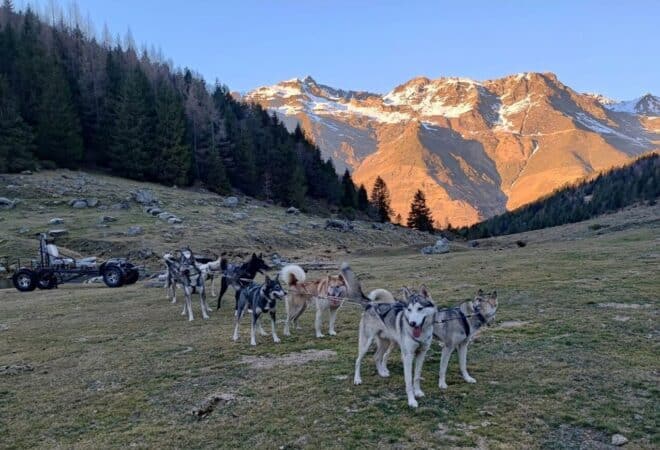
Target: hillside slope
(208,225)
(477,148)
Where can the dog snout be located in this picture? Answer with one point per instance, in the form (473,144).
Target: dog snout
(413,323)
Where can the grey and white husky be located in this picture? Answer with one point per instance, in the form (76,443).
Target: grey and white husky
(258,298)
(456,327)
(408,324)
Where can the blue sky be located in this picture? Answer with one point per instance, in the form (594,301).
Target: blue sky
(610,47)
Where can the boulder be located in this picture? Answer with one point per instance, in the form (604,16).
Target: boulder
(240,215)
(144,197)
(293,210)
(56,221)
(174,220)
(6,203)
(120,205)
(441,246)
(26,172)
(58,232)
(230,202)
(92,202)
(78,204)
(619,440)
(154,211)
(165,216)
(336,224)
(134,230)
(473,244)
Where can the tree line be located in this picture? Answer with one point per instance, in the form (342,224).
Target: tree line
(70,100)
(610,191)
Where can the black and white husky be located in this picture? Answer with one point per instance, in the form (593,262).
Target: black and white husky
(259,299)
(456,327)
(187,272)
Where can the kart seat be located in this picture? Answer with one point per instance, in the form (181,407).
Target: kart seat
(56,259)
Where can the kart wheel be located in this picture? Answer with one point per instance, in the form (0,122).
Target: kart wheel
(112,277)
(25,280)
(46,280)
(131,277)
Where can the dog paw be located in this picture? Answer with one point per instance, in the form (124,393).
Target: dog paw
(419,393)
(319,335)
(469,379)
(384,373)
(206,317)
(442,385)
(253,344)
(413,403)
(332,333)
(276,340)
(357,381)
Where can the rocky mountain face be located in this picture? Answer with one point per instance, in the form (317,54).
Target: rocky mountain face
(475,148)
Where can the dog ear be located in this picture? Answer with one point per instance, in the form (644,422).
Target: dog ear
(406,293)
(480,293)
(323,286)
(493,294)
(425,292)
(261,255)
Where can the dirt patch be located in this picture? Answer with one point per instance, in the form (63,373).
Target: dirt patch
(210,403)
(512,324)
(624,305)
(15,369)
(291,359)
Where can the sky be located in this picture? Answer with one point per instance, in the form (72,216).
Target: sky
(608,47)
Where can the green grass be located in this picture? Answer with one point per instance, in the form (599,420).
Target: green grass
(112,367)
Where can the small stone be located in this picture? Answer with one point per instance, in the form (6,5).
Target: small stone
(5,203)
(473,244)
(144,196)
(108,219)
(92,202)
(58,232)
(23,230)
(135,230)
(174,220)
(619,440)
(154,211)
(230,202)
(26,172)
(240,215)
(78,204)
(56,221)
(293,210)
(165,216)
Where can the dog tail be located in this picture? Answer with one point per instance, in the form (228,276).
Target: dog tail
(354,289)
(292,274)
(381,296)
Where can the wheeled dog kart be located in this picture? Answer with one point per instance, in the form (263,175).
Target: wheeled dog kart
(53,268)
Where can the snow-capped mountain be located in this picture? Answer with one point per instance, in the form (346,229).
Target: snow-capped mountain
(475,148)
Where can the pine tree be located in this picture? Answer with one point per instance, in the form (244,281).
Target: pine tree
(362,198)
(349,194)
(16,138)
(420,217)
(130,147)
(174,160)
(217,180)
(380,201)
(59,135)
(8,5)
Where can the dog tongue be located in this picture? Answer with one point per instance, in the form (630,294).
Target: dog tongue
(417,331)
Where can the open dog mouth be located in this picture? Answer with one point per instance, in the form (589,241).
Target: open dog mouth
(417,331)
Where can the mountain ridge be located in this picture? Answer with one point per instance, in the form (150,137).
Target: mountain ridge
(478,147)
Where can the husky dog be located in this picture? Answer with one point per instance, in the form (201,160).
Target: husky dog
(407,324)
(236,276)
(328,293)
(456,327)
(258,298)
(188,273)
